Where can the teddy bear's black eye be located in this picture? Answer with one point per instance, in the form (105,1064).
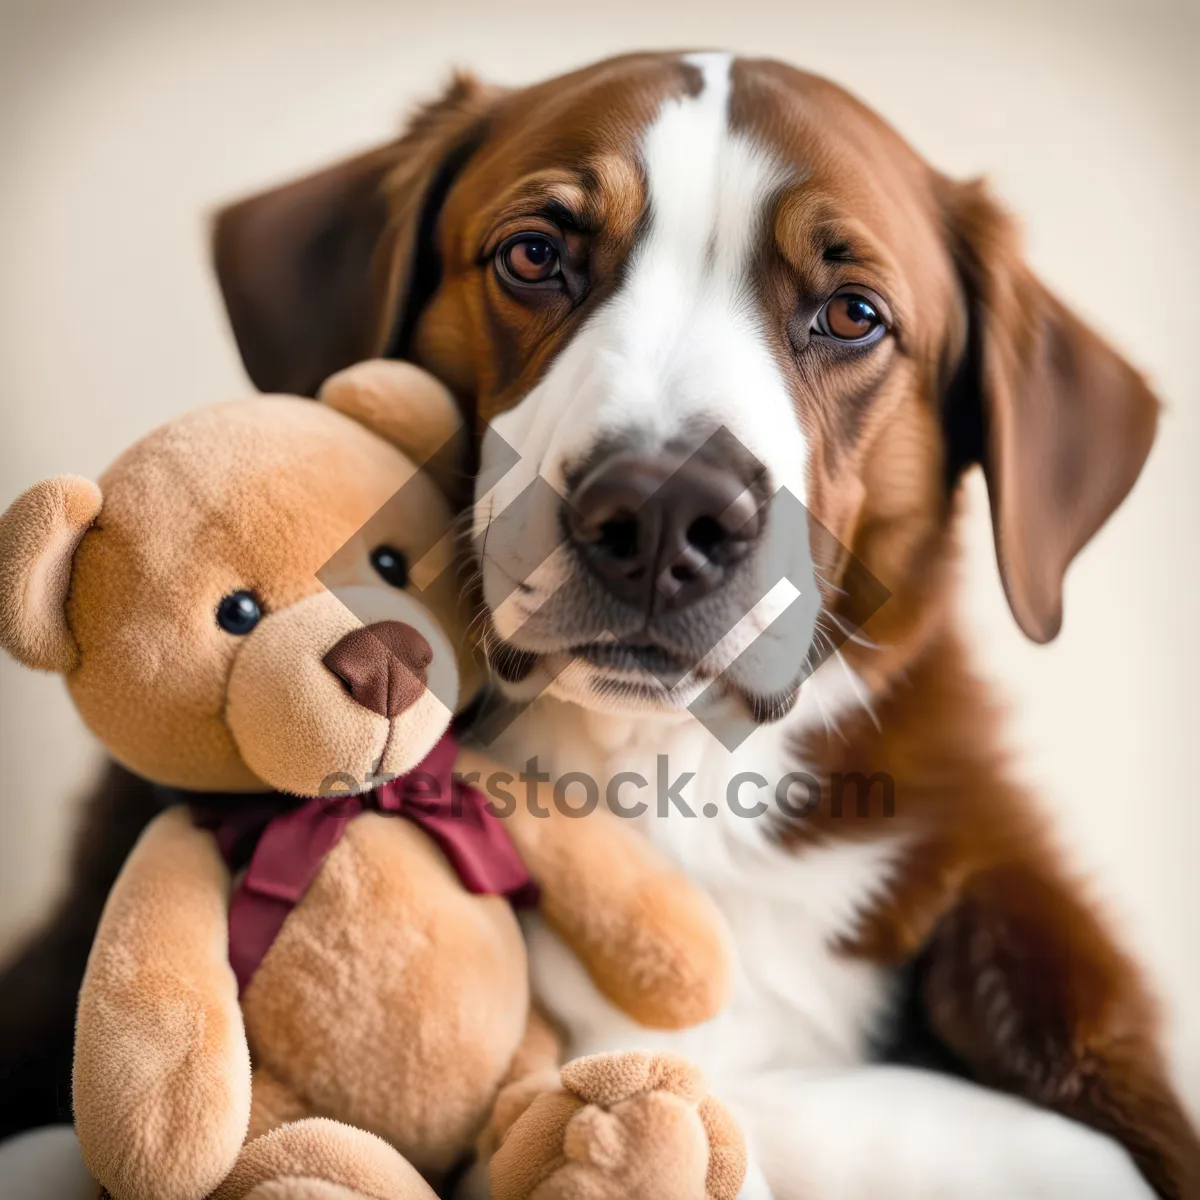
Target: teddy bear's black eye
(392,565)
(238,613)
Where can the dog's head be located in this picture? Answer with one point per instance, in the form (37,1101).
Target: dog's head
(721,332)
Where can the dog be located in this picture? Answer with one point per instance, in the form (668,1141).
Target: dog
(683,297)
(729,346)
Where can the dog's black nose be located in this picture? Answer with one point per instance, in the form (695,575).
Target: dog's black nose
(660,533)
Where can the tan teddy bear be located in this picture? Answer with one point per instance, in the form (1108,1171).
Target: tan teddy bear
(324,997)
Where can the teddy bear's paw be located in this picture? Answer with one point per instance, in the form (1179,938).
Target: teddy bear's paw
(319,1159)
(629,1126)
(301,1188)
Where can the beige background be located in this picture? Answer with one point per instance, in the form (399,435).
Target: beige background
(121,124)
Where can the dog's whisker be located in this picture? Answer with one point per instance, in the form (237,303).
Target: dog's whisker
(852,635)
(860,692)
(833,587)
(827,718)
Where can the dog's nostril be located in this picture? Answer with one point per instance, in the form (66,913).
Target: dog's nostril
(705,533)
(619,536)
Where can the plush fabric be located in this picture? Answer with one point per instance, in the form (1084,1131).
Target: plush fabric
(400,402)
(656,949)
(161,1084)
(322,1160)
(38,537)
(622,1125)
(293,840)
(256,494)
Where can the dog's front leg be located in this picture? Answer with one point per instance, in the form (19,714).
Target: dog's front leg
(1024,984)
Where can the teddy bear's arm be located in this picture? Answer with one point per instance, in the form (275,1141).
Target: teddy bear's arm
(653,943)
(161,1085)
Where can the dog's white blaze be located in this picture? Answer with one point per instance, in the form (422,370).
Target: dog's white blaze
(680,346)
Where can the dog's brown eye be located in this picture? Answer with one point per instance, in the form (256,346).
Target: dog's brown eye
(851,317)
(529,258)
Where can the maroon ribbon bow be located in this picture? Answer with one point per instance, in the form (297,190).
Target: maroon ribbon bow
(290,846)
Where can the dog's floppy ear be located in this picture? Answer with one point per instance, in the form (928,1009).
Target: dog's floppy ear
(330,269)
(1059,421)
(38,537)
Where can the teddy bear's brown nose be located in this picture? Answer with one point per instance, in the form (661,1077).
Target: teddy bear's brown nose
(382,665)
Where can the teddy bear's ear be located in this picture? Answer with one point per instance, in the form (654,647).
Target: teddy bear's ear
(38,537)
(402,403)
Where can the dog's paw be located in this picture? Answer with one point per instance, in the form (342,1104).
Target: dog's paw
(629,1126)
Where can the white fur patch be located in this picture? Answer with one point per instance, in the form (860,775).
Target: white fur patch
(680,343)
(797,1000)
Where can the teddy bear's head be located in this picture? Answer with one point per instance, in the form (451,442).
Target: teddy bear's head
(180,595)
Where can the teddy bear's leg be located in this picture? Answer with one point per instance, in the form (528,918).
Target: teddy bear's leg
(320,1159)
(272,1103)
(627,1126)
(297,1187)
(534,1070)
(541,1048)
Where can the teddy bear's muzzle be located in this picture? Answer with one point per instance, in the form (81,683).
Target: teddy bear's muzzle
(383,666)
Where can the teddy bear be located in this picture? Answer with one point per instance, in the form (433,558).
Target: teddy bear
(309,980)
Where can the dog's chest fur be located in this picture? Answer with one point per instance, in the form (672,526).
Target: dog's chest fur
(798,1000)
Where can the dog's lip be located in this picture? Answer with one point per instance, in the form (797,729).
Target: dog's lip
(644,663)
(644,655)
(641,655)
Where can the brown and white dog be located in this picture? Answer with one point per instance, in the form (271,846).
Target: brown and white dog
(613,268)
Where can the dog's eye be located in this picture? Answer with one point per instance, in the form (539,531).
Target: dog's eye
(391,565)
(851,317)
(238,613)
(529,258)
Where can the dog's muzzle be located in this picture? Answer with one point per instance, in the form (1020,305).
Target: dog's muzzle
(672,574)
